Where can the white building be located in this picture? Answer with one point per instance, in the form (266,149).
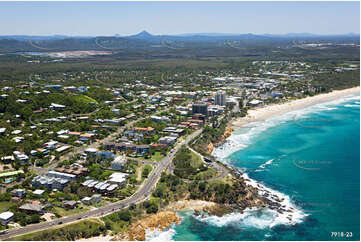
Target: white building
(118,163)
(220,98)
(56,106)
(6,217)
(118,178)
(91,151)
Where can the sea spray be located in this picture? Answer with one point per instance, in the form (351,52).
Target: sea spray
(158,235)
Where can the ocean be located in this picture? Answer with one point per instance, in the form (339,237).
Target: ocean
(309,157)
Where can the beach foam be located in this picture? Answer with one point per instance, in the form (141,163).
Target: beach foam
(158,235)
(260,218)
(351,106)
(266,164)
(242,136)
(240,139)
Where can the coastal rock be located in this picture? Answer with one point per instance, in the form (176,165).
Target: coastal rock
(210,148)
(159,221)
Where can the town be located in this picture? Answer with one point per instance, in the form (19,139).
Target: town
(79,141)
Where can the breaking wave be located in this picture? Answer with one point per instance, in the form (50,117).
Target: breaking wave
(158,235)
(242,137)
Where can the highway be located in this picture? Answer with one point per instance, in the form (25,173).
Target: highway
(142,194)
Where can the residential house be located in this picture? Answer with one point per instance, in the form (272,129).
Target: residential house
(70,204)
(20,193)
(32,208)
(147,131)
(6,217)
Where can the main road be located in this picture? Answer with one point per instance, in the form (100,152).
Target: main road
(142,194)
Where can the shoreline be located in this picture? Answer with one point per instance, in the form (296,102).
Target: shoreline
(280,204)
(159,222)
(269,111)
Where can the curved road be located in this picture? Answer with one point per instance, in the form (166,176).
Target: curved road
(142,194)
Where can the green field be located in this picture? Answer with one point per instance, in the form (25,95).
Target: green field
(4,206)
(85,99)
(66,212)
(157,156)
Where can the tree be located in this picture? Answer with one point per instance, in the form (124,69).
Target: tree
(84,192)
(153,208)
(146,170)
(124,215)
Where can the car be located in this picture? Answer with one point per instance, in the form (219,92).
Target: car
(85,216)
(78,218)
(60,222)
(113,209)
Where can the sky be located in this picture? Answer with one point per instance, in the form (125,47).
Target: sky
(127,18)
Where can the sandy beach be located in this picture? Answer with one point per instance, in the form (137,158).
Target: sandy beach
(269,111)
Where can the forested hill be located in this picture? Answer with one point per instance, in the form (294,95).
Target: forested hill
(146,41)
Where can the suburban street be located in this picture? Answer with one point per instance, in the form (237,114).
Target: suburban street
(142,194)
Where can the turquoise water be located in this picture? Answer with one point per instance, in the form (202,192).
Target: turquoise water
(312,156)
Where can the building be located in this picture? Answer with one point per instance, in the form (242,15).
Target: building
(56,106)
(139,149)
(106,155)
(147,131)
(91,151)
(6,217)
(32,208)
(70,204)
(118,163)
(255,102)
(51,145)
(167,140)
(50,182)
(93,199)
(38,192)
(200,108)
(220,98)
(20,193)
(86,200)
(62,175)
(20,156)
(118,178)
(96,198)
(74,170)
(6,175)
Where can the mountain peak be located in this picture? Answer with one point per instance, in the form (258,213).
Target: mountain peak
(143,34)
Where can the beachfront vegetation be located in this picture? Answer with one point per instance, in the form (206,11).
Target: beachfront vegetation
(83,229)
(189,165)
(336,80)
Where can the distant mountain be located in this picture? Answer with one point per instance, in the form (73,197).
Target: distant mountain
(206,34)
(142,35)
(35,37)
(309,35)
(146,41)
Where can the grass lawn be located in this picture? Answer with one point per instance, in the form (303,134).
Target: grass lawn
(102,203)
(203,175)
(4,206)
(66,212)
(157,156)
(85,99)
(196,161)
